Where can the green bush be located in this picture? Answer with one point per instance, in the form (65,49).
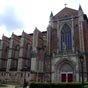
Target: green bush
(55,85)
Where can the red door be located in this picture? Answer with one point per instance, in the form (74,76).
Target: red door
(70,77)
(63,77)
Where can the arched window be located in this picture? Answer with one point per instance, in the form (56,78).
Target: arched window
(16,56)
(66,41)
(4,61)
(6,52)
(28,51)
(17,51)
(27,55)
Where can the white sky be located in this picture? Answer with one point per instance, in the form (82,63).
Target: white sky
(33,13)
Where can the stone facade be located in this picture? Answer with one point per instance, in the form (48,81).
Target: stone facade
(50,55)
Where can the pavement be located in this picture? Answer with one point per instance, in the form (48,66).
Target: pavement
(11,86)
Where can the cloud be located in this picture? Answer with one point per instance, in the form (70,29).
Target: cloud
(7,33)
(19,15)
(10,19)
(4,31)
(84,4)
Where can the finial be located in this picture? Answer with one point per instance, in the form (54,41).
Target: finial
(23,31)
(3,35)
(35,28)
(12,33)
(80,8)
(51,14)
(65,5)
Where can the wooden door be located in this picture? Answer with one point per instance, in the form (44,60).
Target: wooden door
(70,77)
(63,77)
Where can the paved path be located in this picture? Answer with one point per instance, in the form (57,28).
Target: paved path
(11,86)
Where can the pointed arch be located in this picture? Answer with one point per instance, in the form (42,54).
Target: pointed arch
(64,65)
(66,40)
(5,58)
(27,55)
(17,48)
(15,60)
(6,52)
(63,61)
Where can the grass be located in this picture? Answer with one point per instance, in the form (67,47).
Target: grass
(3,85)
(14,83)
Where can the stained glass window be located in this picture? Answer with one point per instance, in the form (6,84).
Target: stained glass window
(66,41)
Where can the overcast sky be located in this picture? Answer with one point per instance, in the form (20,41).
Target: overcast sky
(19,15)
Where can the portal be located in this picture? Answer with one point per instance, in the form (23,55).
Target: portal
(66,77)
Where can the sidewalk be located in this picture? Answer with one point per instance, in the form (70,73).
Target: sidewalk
(11,86)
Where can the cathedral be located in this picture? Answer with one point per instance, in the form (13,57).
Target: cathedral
(48,56)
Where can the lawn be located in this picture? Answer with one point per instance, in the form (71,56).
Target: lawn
(4,84)
(14,83)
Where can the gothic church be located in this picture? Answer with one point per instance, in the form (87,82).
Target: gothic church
(50,55)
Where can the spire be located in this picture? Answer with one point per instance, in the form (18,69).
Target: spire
(12,33)
(3,35)
(36,28)
(80,8)
(23,30)
(51,15)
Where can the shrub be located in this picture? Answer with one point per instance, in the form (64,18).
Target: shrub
(55,85)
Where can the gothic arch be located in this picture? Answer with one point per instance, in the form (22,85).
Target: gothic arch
(64,65)
(14,62)
(5,58)
(59,33)
(66,37)
(63,25)
(6,52)
(27,55)
(17,48)
(65,60)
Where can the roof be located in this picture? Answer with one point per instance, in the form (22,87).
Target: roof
(66,12)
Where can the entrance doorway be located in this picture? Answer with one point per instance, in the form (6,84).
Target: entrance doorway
(66,77)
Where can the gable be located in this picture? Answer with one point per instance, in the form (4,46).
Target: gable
(66,12)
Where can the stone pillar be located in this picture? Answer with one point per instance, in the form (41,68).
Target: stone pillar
(72,31)
(77,72)
(10,53)
(81,40)
(58,38)
(20,60)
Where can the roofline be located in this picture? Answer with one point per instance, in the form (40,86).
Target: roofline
(64,8)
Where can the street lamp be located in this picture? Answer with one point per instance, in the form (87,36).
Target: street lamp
(25,69)
(50,69)
(81,57)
